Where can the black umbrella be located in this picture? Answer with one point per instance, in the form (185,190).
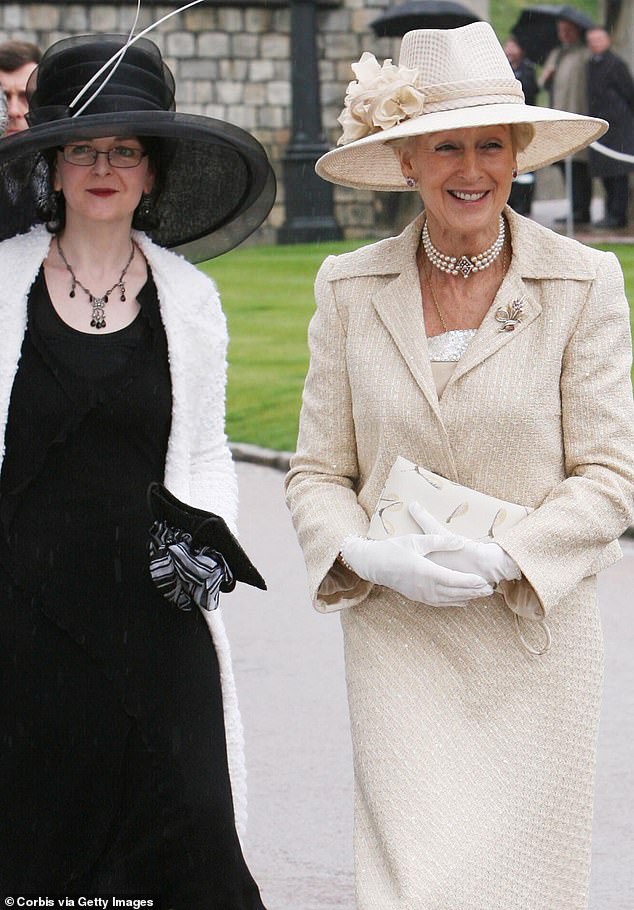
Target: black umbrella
(536,28)
(397,20)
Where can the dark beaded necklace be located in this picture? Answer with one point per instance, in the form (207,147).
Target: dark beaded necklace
(98,304)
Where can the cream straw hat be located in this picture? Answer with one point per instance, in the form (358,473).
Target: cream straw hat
(446,79)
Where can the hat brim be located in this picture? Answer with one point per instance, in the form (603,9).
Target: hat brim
(219,184)
(371,163)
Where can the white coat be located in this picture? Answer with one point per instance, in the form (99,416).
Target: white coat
(198,466)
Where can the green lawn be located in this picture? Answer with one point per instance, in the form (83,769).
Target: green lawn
(267,294)
(504,13)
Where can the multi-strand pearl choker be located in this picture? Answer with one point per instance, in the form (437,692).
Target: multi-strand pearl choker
(463,265)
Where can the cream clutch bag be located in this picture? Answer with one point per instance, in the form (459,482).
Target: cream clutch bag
(465,511)
(468,512)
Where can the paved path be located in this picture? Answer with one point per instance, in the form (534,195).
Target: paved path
(547,210)
(289,670)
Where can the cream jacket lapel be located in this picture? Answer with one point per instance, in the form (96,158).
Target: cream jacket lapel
(399,305)
(390,267)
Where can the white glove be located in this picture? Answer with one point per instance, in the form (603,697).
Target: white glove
(482,557)
(400,563)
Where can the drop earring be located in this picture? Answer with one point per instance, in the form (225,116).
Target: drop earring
(514,173)
(52,211)
(146,217)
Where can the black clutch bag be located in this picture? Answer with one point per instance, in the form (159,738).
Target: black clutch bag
(207,531)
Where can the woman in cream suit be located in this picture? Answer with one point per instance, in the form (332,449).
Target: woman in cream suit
(509,373)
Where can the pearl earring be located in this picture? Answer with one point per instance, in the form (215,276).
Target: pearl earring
(410,182)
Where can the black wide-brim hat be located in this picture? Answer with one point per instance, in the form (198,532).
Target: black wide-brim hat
(219,185)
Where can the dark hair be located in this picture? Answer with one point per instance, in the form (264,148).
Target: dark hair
(146,218)
(52,206)
(14,54)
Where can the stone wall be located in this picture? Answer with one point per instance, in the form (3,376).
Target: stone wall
(233,63)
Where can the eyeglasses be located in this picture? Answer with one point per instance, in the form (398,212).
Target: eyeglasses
(118,155)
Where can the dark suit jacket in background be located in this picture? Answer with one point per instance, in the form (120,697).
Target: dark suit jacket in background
(527,75)
(611,96)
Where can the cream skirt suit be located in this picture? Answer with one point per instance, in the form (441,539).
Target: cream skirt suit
(474,760)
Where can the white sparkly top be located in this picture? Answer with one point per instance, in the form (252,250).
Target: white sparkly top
(450,346)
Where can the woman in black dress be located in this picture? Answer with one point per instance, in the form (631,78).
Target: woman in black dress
(119,745)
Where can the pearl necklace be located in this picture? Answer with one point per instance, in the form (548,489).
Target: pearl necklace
(463,265)
(429,284)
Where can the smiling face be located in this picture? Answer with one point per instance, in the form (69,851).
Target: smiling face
(464,178)
(101,192)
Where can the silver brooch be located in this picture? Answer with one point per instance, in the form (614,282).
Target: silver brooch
(511,315)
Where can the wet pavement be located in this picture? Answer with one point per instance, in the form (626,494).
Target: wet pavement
(289,669)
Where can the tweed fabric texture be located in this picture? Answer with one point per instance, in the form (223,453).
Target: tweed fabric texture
(474,760)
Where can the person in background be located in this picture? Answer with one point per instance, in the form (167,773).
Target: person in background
(611,96)
(523,187)
(18,59)
(565,78)
(3,111)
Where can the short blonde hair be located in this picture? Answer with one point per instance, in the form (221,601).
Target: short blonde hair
(522,135)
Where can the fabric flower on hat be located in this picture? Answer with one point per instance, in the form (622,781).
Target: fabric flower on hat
(379,98)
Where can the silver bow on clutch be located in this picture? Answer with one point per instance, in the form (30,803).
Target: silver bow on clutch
(186,575)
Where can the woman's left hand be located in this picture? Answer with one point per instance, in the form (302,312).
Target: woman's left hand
(484,558)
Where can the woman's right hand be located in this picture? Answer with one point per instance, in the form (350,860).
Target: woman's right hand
(400,563)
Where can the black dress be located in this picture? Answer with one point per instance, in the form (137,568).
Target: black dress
(113,767)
